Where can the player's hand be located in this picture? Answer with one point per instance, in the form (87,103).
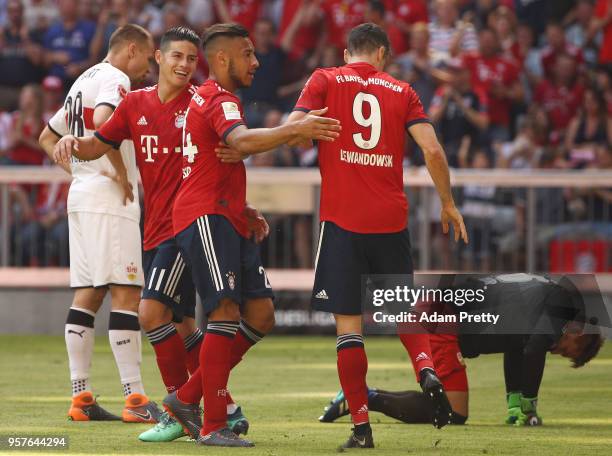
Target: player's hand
(301,143)
(256,223)
(514,407)
(228,155)
(450,214)
(123,182)
(62,151)
(314,126)
(529,414)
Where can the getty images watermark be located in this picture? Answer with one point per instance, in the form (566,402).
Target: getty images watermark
(518,303)
(408,296)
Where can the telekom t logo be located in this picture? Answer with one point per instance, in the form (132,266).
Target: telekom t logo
(148,145)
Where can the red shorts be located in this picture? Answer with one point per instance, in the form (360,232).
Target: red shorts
(449,364)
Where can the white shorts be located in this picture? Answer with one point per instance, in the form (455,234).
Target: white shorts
(104,250)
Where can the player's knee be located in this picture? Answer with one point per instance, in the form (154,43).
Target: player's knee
(265,322)
(153,314)
(89,299)
(186,327)
(259,314)
(125,298)
(227,310)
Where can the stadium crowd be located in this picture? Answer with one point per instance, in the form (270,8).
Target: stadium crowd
(516,84)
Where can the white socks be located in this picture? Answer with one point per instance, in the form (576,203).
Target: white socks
(79,335)
(125,339)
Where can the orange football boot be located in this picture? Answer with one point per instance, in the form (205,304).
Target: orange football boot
(139,409)
(84,407)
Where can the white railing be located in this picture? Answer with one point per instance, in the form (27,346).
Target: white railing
(296,191)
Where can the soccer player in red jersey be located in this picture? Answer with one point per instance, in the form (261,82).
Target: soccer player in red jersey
(211,228)
(153,119)
(364,167)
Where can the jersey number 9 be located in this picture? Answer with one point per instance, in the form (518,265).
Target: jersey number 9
(373,121)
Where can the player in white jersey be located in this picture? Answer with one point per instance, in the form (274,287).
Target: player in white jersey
(103,220)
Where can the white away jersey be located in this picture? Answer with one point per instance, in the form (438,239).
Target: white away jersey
(90,190)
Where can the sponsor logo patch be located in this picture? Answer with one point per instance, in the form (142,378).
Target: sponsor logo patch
(231,111)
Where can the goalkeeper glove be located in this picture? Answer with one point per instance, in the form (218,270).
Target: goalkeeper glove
(529,415)
(514,407)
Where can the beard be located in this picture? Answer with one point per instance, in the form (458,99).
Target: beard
(238,82)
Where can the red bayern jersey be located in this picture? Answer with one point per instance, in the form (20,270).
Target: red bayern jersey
(340,17)
(209,186)
(156,129)
(487,71)
(362,186)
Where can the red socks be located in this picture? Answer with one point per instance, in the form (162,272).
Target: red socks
(193,342)
(352,370)
(215,362)
(419,351)
(245,338)
(170,354)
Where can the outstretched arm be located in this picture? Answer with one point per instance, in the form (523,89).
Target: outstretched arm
(243,141)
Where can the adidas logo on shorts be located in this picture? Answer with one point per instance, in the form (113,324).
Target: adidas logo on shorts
(142,121)
(321,295)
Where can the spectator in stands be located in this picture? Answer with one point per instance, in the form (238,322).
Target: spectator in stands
(603,22)
(560,96)
(244,12)
(417,65)
(173,15)
(588,131)
(497,78)
(39,14)
(300,29)
(410,12)
(524,151)
(448,36)
(27,123)
(340,17)
(148,16)
(478,211)
(603,83)
(20,56)
(503,21)
(53,96)
(458,112)
(375,12)
(262,95)
(116,15)
(89,10)
(43,239)
(528,58)
(581,34)
(557,45)
(67,43)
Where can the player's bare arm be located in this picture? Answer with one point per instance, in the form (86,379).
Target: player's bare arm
(101,114)
(435,160)
(85,148)
(243,141)
(258,226)
(48,140)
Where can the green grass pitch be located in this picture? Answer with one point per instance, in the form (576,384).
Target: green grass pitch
(283,384)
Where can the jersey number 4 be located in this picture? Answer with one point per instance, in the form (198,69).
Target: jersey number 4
(373,121)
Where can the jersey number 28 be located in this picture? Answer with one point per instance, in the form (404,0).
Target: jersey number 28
(74,109)
(373,121)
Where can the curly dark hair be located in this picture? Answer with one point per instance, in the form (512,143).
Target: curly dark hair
(591,344)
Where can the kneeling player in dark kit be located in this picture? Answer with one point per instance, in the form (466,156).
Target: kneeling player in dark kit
(554,313)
